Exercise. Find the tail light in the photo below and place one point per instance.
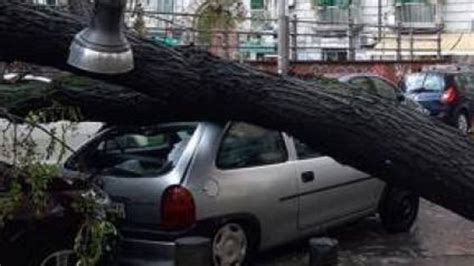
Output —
(178, 209)
(449, 95)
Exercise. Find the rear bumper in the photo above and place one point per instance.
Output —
(148, 247)
(141, 252)
(445, 116)
(144, 246)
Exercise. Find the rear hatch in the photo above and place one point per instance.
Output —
(136, 165)
(426, 88)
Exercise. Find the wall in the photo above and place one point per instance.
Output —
(391, 70)
(458, 15)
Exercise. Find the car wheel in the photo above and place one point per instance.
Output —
(54, 254)
(64, 257)
(230, 245)
(398, 210)
(462, 123)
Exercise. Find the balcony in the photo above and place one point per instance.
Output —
(334, 20)
(417, 15)
(333, 15)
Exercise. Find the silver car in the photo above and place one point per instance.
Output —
(384, 88)
(245, 187)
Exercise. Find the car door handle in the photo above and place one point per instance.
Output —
(307, 177)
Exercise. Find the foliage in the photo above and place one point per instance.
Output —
(27, 176)
(97, 236)
(139, 24)
(218, 15)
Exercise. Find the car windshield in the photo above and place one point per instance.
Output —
(420, 82)
(136, 152)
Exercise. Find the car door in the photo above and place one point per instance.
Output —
(251, 174)
(330, 191)
(465, 85)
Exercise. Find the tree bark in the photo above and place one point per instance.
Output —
(390, 142)
(83, 8)
(87, 95)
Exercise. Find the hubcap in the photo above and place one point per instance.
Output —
(463, 125)
(60, 258)
(229, 246)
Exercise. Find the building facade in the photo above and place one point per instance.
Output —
(347, 29)
(320, 29)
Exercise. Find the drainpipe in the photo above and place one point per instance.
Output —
(439, 12)
(379, 14)
(283, 38)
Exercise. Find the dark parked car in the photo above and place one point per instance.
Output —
(26, 240)
(448, 95)
(382, 87)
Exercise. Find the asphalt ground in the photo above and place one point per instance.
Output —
(439, 238)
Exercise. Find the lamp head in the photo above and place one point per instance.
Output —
(102, 47)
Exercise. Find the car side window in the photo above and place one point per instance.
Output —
(462, 82)
(470, 82)
(385, 90)
(363, 83)
(303, 151)
(247, 145)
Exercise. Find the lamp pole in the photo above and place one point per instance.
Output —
(283, 38)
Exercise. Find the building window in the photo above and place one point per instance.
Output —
(335, 55)
(416, 11)
(411, 1)
(257, 4)
(45, 2)
(326, 3)
(166, 6)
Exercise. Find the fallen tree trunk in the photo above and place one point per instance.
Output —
(87, 95)
(387, 141)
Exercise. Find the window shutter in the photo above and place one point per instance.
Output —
(257, 4)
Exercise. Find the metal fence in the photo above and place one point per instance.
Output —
(335, 34)
(256, 38)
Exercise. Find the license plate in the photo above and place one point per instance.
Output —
(118, 209)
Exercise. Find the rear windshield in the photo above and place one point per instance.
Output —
(137, 152)
(420, 82)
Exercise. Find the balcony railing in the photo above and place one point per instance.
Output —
(259, 19)
(417, 14)
(333, 15)
(334, 20)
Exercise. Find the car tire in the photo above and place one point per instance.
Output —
(462, 123)
(231, 245)
(398, 210)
